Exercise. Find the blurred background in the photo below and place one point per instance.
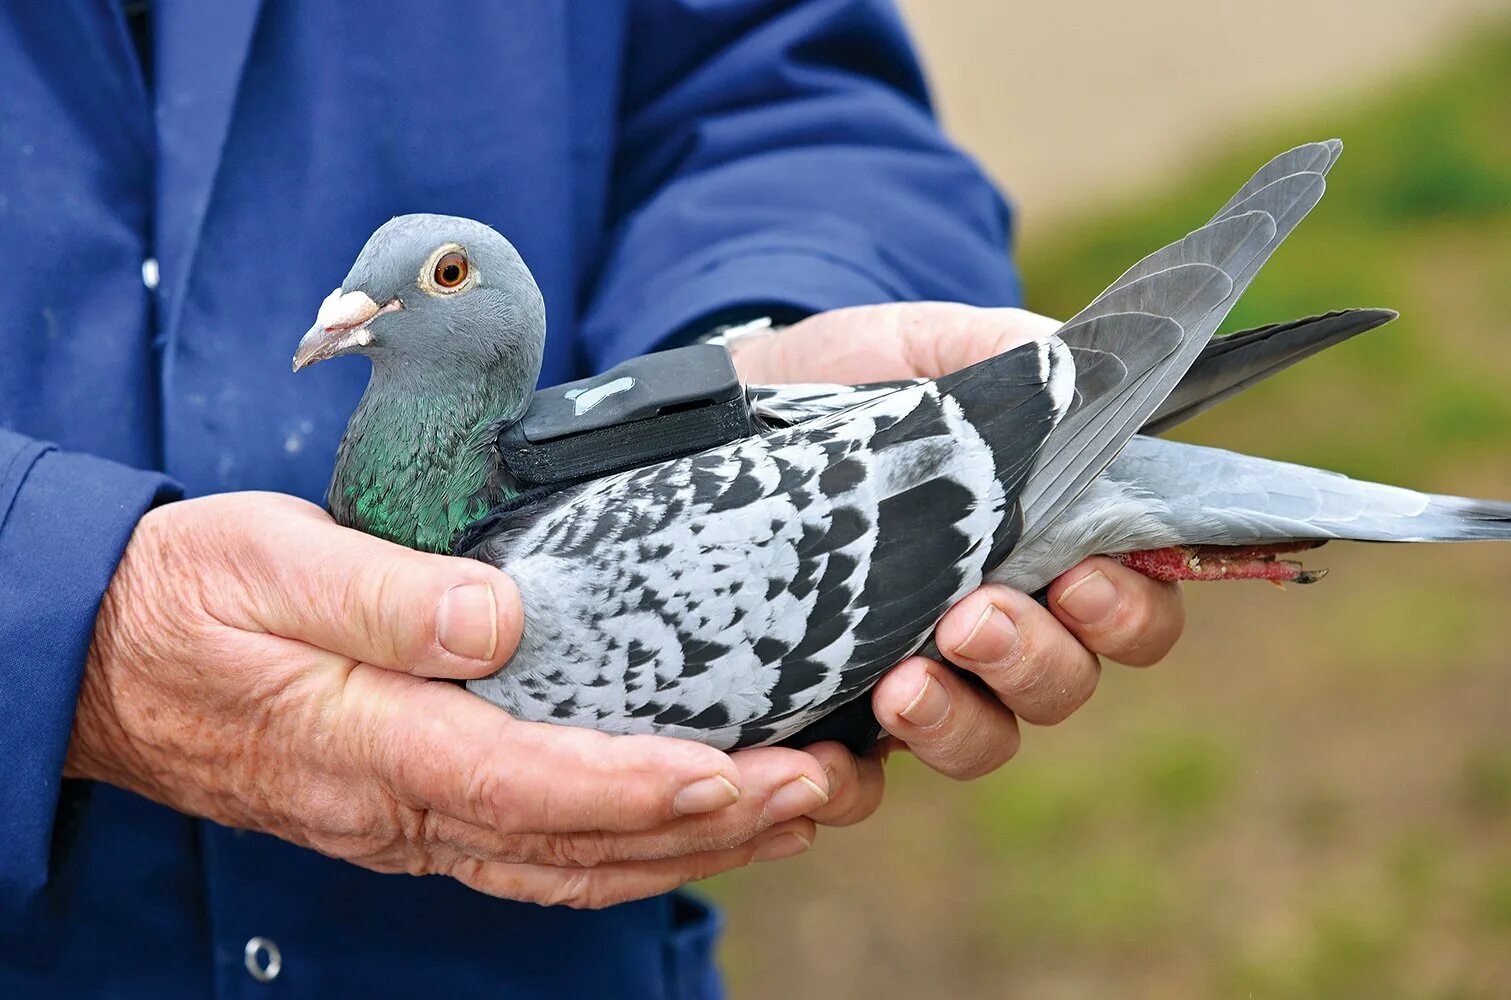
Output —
(1312, 797)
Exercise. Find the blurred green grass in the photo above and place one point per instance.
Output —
(1313, 798)
(1417, 217)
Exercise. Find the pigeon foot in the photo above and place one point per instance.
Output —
(1224, 562)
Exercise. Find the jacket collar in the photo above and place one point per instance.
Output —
(200, 51)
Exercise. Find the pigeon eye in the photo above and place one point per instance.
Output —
(450, 270)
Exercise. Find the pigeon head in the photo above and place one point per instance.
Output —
(434, 294)
(455, 328)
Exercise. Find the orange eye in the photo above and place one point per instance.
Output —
(451, 270)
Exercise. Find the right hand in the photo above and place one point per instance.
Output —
(1034, 664)
(255, 664)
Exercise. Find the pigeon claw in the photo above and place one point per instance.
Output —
(1224, 562)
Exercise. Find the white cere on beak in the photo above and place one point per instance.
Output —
(340, 325)
(346, 312)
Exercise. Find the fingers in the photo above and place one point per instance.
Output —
(979, 334)
(948, 723)
(856, 784)
(379, 603)
(878, 342)
(608, 884)
(1118, 612)
(1036, 667)
(770, 797)
(441, 749)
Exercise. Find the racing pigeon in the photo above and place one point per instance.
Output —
(740, 595)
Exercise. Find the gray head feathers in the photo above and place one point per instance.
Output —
(433, 298)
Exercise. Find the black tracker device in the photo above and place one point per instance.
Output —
(648, 409)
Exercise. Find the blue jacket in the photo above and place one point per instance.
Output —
(658, 163)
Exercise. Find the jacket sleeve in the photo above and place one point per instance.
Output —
(64, 521)
(783, 156)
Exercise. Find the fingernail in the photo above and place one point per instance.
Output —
(467, 622)
(783, 845)
(798, 797)
(706, 795)
(1090, 599)
(928, 706)
(993, 638)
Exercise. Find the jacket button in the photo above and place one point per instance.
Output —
(263, 959)
(150, 273)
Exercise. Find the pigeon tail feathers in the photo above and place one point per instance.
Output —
(1232, 363)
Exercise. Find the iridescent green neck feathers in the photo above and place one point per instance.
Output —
(418, 464)
(455, 327)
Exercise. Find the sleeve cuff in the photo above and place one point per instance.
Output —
(738, 277)
(65, 519)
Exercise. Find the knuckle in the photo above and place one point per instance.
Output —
(1146, 630)
(458, 866)
(857, 807)
(968, 761)
(1063, 690)
(579, 890)
(1047, 659)
(578, 850)
(426, 830)
(375, 596)
(488, 791)
(978, 747)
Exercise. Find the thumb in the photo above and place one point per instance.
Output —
(380, 603)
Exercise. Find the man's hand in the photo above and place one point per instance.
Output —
(1037, 665)
(256, 664)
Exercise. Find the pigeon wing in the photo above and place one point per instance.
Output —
(1192, 283)
(736, 595)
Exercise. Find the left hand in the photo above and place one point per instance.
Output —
(1039, 665)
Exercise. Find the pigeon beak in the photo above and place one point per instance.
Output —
(340, 326)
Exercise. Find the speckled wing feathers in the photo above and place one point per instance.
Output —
(737, 595)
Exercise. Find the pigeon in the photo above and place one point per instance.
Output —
(753, 593)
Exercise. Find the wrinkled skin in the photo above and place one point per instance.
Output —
(255, 664)
(258, 665)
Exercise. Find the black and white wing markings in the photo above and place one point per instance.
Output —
(737, 595)
(785, 405)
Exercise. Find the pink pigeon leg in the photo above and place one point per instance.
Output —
(1224, 562)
